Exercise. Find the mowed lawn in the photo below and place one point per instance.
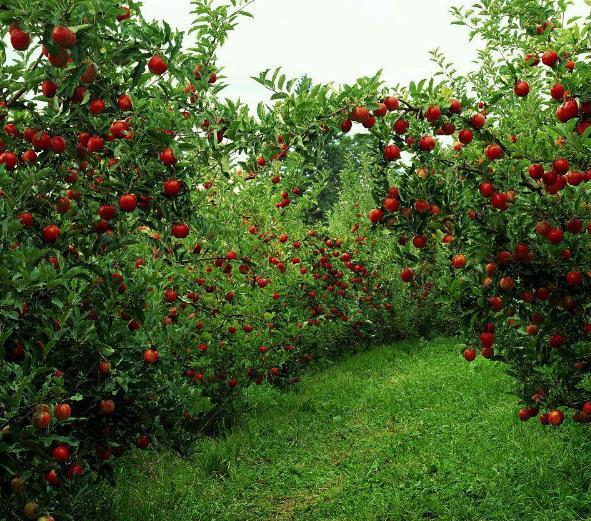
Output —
(408, 431)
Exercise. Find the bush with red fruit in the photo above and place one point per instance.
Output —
(512, 204)
(126, 222)
(162, 248)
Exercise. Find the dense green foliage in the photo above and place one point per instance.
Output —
(162, 248)
(147, 275)
(499, 220)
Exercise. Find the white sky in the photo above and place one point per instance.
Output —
(335, 40)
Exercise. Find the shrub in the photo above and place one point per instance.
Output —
(161, 249)
(143, 282)
(497, 220)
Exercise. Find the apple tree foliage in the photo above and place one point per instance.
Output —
(155, 256)
(163, 247)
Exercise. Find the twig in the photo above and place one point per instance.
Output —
(21, 91)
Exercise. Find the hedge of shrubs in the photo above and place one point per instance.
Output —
(162, 247)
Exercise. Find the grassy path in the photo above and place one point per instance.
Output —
(404, 432)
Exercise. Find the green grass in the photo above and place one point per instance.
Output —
(404, 432)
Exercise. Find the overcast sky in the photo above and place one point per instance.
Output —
(335, 40)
